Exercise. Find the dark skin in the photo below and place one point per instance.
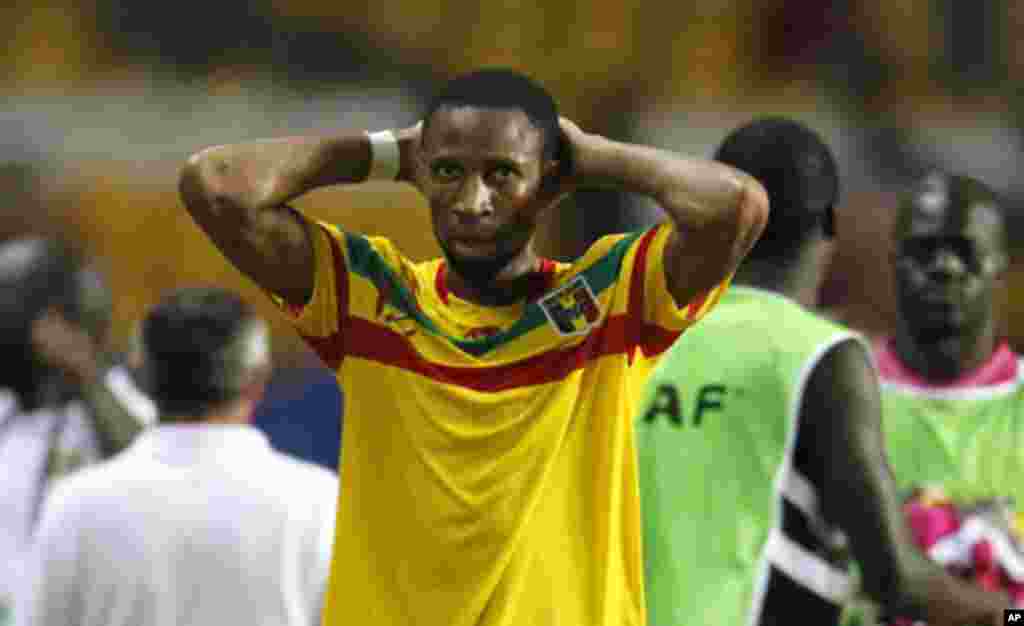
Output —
(841, 411)
(841, 418)
(949, 259)
(482, 175)
(486, 179)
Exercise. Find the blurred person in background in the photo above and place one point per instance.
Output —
(488, 472)
(120, 393)
(200, 521)
(760, 433)
(952, 393)
(62, 405)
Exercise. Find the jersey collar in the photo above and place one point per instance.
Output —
(540, 281)
(1001, 368)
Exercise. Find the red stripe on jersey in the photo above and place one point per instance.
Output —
(374, 342)
(657, 339)
(694, 307)
(543, 281)
(331, 349)
(441, 283)
(637, 304)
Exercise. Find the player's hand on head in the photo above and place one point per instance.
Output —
(575, 145)
(565, 177)
(571, 131)
(408, 150)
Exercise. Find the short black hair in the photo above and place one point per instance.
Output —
(502, 88)
(193, 342)
(798, 171)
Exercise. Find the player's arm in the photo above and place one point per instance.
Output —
(718, 211)
(238, 195)
(841, 408)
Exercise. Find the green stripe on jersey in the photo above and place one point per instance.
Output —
(368, 263)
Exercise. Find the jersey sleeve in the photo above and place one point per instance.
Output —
(657, 319)
(322, 316)
(350, 272)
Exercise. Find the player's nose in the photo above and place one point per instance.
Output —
(474, 199)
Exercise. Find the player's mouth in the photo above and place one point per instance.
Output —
(474, 247)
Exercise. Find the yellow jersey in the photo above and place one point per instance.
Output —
(488, 473)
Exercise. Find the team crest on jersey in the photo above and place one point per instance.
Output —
(572, 309)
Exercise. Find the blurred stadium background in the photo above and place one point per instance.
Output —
(103, 100)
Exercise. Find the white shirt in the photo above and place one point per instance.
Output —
(193, 525)
(25, 440)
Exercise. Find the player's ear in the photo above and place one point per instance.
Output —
(825, 249)
(551, 169)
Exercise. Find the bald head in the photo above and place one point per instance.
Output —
(951, 248)
(943, 204)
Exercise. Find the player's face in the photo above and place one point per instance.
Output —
(948, 259)
(482, 170)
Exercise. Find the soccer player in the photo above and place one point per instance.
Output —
(759, 435)
(952, 398)
(200, 521)
(488, 472)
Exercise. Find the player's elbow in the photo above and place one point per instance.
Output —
(739, 223)
(752, 211)
(192, 185)
(201, 185)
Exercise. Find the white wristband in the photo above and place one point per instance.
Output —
(385, 159)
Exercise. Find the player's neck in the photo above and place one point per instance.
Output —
(796, 282)
(946, 359)
(512, 284)
(238, 413)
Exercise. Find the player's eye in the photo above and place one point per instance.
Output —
(445, 171)
(503, 173)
